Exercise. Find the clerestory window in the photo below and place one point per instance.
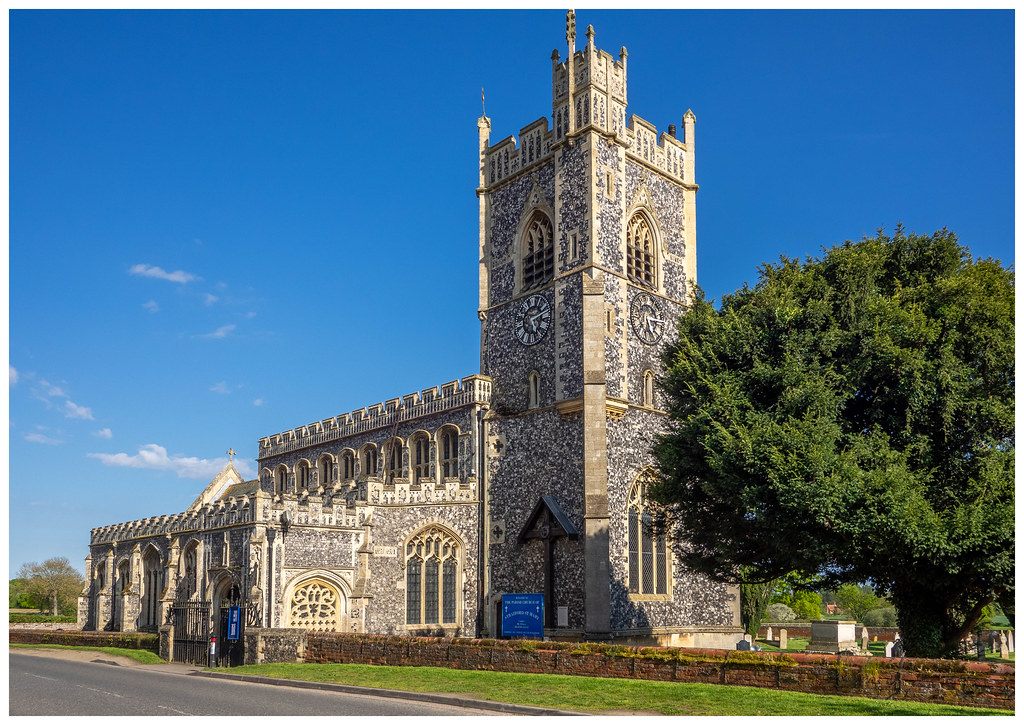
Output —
(449, 445)
(421, 458)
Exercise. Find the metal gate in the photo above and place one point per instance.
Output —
(231, 652)
(191, 632)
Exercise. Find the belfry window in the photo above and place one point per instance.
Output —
(538, 251)
(432, 560)
(449, 453)
(640, 253)
(280, 479)
(370, 460)
(302, 475)
(648, 548)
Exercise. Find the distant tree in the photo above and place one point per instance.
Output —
(754, 595)
(20, 597)
(881, 617)
(54, 581)
(857, 600)
(853, 416)
(806, 605)
(779, 612)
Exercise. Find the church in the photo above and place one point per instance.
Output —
(417, 515)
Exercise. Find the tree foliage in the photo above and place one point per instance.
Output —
(54, 582)
(857, 600)
(852, 415)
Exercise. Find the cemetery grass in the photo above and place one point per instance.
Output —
(142, 656)
(600, 695)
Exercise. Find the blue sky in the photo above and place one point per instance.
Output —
(227, 224)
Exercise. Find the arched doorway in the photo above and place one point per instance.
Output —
(228, 597)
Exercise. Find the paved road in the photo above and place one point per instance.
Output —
(42, 685)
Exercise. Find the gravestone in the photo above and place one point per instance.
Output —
(980, 647)
(1009, 639)
(743, 645)
(864, 639)
(832, 636)
(888, 649)
(783, 639)
(769, 635)
(1004, 650)
(897, 648)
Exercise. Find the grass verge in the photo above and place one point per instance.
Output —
(601, 695)
(142, 656)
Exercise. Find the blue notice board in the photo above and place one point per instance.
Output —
(234, 615)
(522, 615)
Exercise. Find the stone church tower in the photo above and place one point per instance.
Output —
(587, 255)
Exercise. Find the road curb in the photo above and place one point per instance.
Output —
(454, 700)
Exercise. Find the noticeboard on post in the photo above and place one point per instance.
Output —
(522, 615)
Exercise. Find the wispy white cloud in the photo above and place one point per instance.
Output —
(221, 387)
(52, 390)
(154, 457)
(222, 331)
(146, 270)
(76, 411)
(209, 299)
(104, 433)
(258, 402)
(152, 306)
(13, 374)
(250, 314)
(40, 438)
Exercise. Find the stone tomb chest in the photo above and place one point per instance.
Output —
(833, 636)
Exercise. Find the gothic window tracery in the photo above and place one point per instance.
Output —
(648, 549)
(393, 460)
(432, 562)
(280, 479)
(640, 252)
(315, 605)
(538, 251)
(325, 469)
(369, 460)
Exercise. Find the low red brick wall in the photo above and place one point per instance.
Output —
(127, 640)
(974, 684)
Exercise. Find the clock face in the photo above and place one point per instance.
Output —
(647, 319)
(533, 318)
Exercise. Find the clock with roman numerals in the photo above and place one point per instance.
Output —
(533, 318)
(647, 319)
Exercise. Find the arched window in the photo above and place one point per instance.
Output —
(640, 252)
(101, 576)
(393, 460)
(348, 465)
(369, 460)
(432, 564)
(648, 550)
(533, 384)
(302, 475)
(281, 479)
(538, 251)
(648, 389)
(449, 449)
(152, 588)
(420, 458)
(316, 605)
(325, 470)
(187, 582)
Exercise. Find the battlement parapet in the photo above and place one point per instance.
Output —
(664, 152)
(471, 390)
(508, 156)
(217, 513)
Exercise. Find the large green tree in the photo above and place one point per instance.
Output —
(851, 416)
(54, 581)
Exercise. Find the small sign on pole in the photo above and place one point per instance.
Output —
(522, 615)
(234, 616)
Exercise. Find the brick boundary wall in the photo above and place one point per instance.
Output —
(126, 640)
(950, 682)
(803, 629)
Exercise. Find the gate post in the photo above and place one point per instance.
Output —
(167, 642)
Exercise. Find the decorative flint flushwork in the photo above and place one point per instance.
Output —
(471, 389)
